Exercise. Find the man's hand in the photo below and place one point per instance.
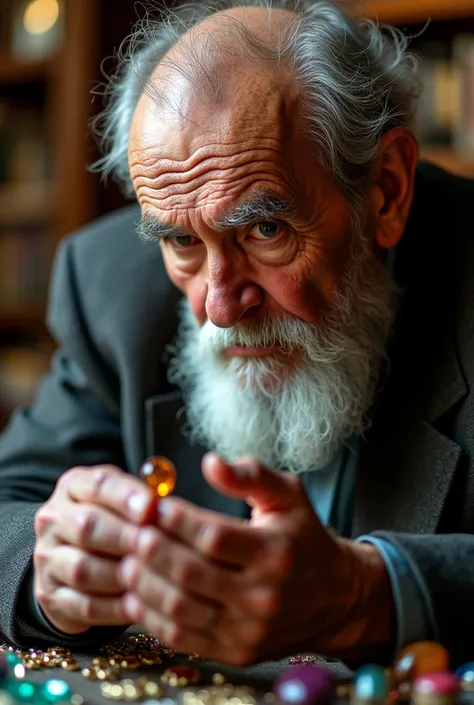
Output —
(239, 591)
(89, 523)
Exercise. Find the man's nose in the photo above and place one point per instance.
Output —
(230, 294)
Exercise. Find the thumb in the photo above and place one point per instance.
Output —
(247, 479)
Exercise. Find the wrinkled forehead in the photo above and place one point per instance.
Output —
(258, 105)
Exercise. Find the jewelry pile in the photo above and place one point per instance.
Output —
(420, 675)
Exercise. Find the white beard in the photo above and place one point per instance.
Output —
(287, 415)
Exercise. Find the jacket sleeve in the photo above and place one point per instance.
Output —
(74, 420)
(445, 563)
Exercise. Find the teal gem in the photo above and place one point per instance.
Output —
(370, 684)
(12, 659)
(24, 691)
(466, 674)
(55, 691)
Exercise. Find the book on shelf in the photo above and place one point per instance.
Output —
(25, 257)
(445, 113)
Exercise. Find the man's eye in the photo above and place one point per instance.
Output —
(265, 230)
(183, 240)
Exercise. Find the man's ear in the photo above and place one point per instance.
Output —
(390, 193)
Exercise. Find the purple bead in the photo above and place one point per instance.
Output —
(304, 684)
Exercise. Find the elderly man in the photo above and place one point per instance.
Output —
(322, 285)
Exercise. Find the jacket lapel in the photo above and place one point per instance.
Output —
(406, 465)
(165, 419)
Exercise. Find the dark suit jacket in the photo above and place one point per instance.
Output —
(107, 400)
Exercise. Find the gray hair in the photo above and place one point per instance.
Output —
(358, 81)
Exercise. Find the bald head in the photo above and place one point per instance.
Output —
(223, 56)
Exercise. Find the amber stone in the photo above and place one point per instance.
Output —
(180, 676)
(419, 658)
(159, 473)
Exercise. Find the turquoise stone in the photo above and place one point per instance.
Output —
(12, 659)
(24, 691)
(55, 691)
(465, 673)
(370, 685)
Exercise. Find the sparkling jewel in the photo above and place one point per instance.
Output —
(420, 658)
(159, 473)
(370, 685)
(55, 691)
(305, 684)
(24, 691)
(465, 673)
(69, 664)
(180, 676)
(438, 688)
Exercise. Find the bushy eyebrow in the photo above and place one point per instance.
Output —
(262, 206)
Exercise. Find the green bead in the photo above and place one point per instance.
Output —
(12, 659)
(55, 691)
(24, 691)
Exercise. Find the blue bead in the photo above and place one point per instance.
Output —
(466, 672)
(55, 690)
(370, 684)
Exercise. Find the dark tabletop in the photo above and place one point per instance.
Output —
(259, 677)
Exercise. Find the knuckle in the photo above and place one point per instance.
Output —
(174, 634)
(87, 608)
(86, 525)
(43, 520)
(41, 558)
(79, 570)
(187, 574)
(175, 605)
(215, 539)
(43, 596)
(98, 477)
(68, 477)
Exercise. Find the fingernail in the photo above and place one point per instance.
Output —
(165, 512)
(137, 504)
(243, 469)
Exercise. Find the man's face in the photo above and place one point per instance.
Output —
(194, 168)
(288, 314)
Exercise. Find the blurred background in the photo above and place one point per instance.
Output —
(50, 59)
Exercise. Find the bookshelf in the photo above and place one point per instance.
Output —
(413, 11)
(46, 190)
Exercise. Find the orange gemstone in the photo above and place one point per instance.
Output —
(159, 473)
(418, 659)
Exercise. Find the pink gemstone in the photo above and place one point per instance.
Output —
(441, 683)
(305, 684)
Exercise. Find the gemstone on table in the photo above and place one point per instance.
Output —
(55, 691)
(370, 685)
(440, 688)
(419, 658)
(307, 683)
(180, 676)
(24, 691)
(159, 473)
(465, 673)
